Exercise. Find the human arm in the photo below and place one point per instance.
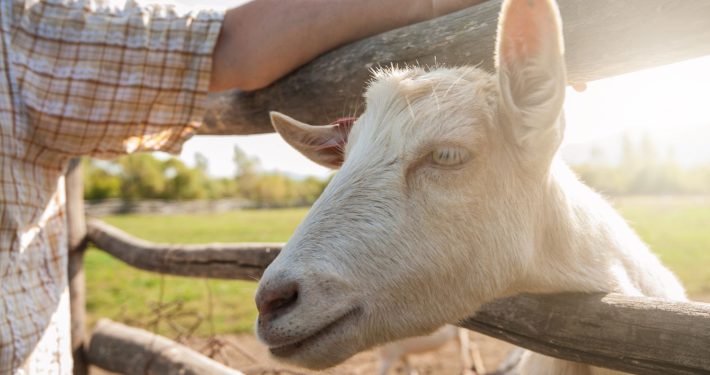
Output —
(106, 81)
(264, 40)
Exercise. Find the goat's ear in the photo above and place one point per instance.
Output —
(323, 144)
(531, 74)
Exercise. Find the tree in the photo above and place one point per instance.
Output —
(247, 173)
(309, 189)
(141, 177)
(629, 156)
(201, 163)
(273, 190)
(99, 183)
(182, 183)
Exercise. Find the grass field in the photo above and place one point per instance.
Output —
(123, 293)
(677, 228)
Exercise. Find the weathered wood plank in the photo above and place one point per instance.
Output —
(76, 235)
(603, 38)
(127, 350)
(634, 334)
(246, 261)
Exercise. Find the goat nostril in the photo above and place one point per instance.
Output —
(277, 300)
(283, 303)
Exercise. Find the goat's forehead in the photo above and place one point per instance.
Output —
(415, 81)
(415, 103)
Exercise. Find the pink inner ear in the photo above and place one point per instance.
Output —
(345, 123)
(342, 128)
(336, 145)
(526, 23)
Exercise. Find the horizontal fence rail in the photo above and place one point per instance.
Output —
(603, 38)
(634, 334)
(127, 350)
(244, 261)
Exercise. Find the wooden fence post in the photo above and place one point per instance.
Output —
(76, 234)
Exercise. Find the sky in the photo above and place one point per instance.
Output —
(669, 104)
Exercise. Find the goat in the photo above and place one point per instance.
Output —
(399, 350)
(450, 194)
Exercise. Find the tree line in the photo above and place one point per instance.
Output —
(145, 176)
(644, 170)
(641, 170)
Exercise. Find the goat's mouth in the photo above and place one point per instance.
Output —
(302, 344)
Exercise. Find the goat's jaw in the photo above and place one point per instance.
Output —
(328, 346)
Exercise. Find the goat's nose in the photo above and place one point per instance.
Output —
(271, 301)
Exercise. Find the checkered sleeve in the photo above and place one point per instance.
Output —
(105, 81)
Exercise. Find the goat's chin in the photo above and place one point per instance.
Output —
(330, 346)
(335, 346)
(346, 336)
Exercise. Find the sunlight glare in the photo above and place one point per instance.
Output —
(657, 101)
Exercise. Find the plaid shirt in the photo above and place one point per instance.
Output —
(79, 78)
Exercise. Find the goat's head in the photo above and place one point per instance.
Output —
(432, 211)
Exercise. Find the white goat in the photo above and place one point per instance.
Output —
(450, 195)
(400, 350)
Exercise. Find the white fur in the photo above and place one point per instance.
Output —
(399, 350)
(398, 245)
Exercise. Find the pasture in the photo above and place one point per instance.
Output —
(676, 228)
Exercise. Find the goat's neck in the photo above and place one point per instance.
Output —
(583, 244)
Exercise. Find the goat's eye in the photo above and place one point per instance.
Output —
(449, 156)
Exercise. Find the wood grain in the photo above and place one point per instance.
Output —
(603, 38)
(76, 236)
(640, 335)
(245, 261)
(127, 350)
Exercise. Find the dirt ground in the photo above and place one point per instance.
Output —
(246, 354)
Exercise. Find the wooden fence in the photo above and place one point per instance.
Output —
(604, 38)
(164, 207)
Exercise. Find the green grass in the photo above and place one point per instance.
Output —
(122, 293)
(677, 228)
